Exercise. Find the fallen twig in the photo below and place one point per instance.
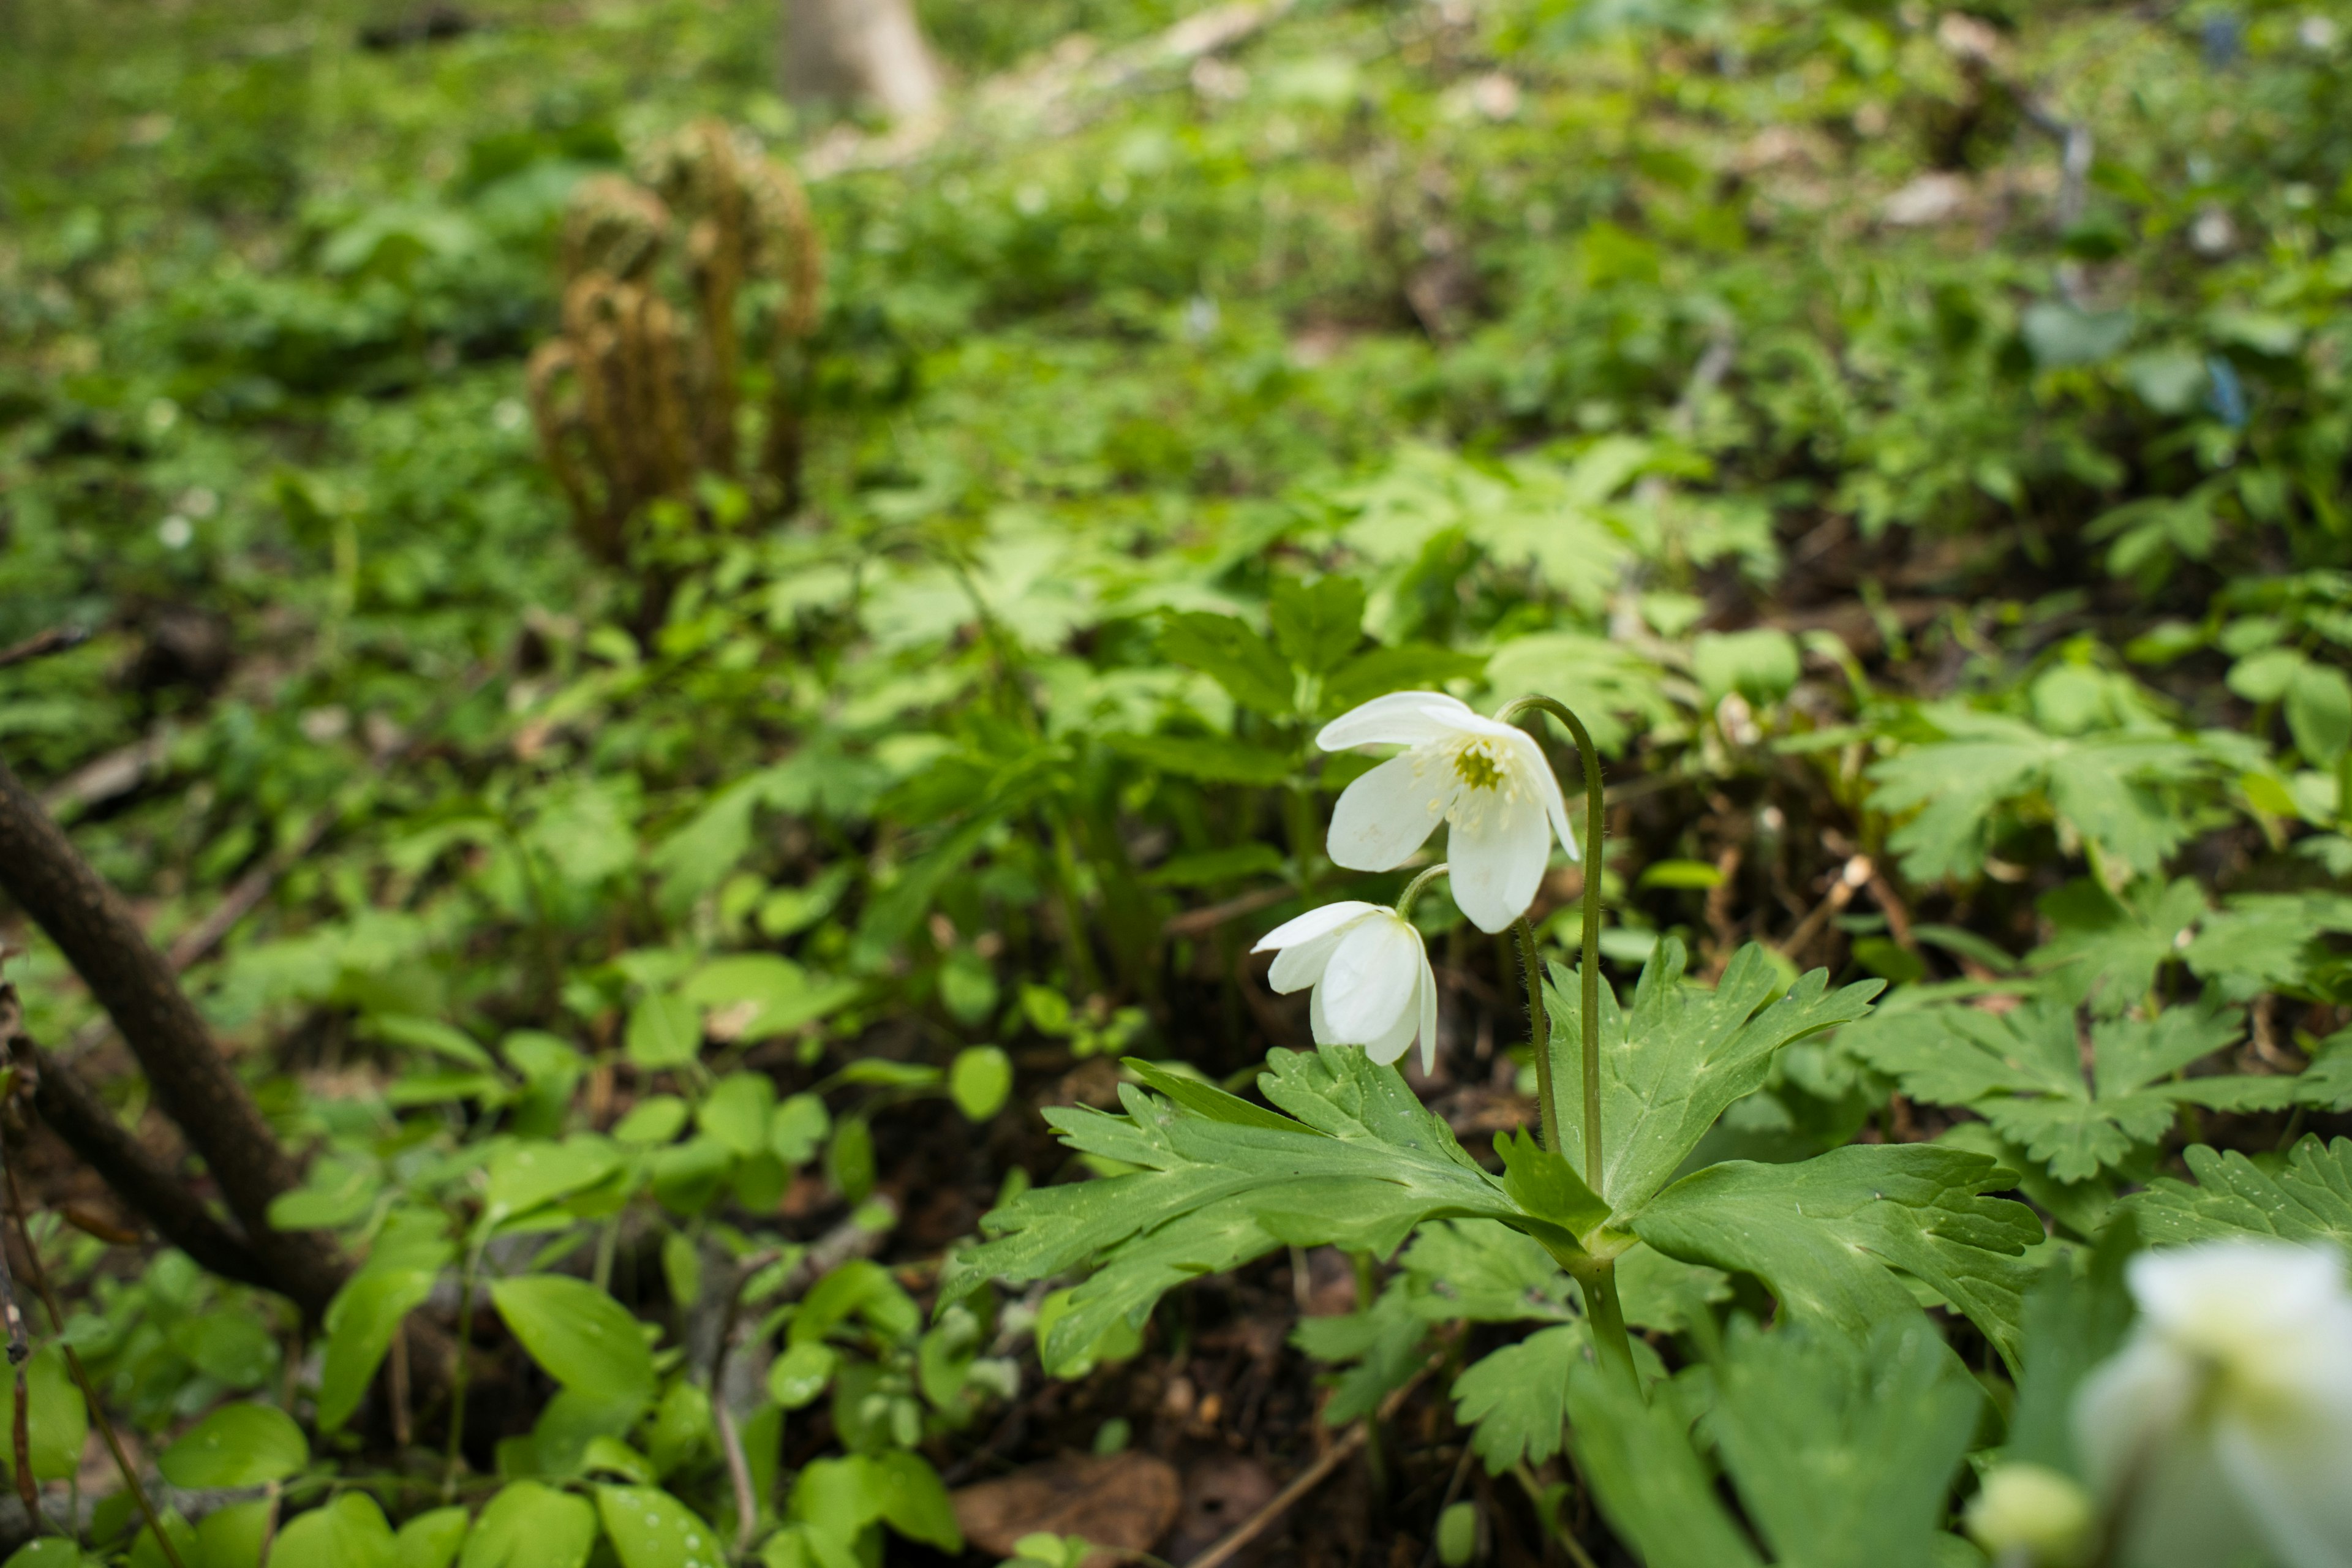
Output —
(40, 644)
(1313, 1476)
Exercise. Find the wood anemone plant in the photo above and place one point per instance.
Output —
(643, 388)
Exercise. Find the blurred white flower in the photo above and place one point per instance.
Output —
(2227, 1420)
(2031, 1514)
(1488, 780)
(1372, 983)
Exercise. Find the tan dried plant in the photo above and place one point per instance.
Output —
(637, 395)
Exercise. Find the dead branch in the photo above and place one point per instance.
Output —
(192, 1083)
(155, 1192)
(40, 644)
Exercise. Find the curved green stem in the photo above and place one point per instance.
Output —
(1606, 1314)
(1413, 890)
(1595, 810)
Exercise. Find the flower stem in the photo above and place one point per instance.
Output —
(1595, 807)
(1602, 1308)
(1413, 890)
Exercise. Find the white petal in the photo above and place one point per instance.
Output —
(1300, 965)
(1392, 1047)
(1368, 984)
(2294, 1481)
(1497, 865)
(1428, 1016)
(2129, 1404)
(1315, 922)
(1399, 719)
(1388, 814)
(1531, 770)
(1318, 1018)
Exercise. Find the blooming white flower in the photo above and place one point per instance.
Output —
(1488, 780)
(1372, 983)
(2227, 1420)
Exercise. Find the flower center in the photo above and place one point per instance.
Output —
(1476, 765)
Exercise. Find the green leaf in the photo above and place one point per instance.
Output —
(361, 1321)
(2022, 1071)
(1762, 665)
(1367, 1164)
(980, 1080)
(1485, 1272)
(1218, 867)
(2320, 714)
(652, 1121)
(911, 1499)
(665, 1030)
(1410, 667)
(738, 1111)
(800, 1375)
(2106, 950)
(57, 1419)
(582, 1337)
(797, 1128)
(529, 1525)
(530, 1173)
(2270, 941)
(651, 1529)
(431, 1540)
(2308, 1201)
(348, 1532)
(1638, 1458)
(1517, 1397)
(236, 1446)
(1230, 652)
(2111, 788)
(1544, 1184)
(861, 1289)
(1318, 625)
(1844, 1451)
(1824, 1235)
(783, 994)
(430, 1035)
(1680, 1057)
(233, 1536)
(1387, 1343)
(1213, 759)
(849, 1158)
(48, 1551)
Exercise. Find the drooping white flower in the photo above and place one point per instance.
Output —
(1487, 781)
(2227, 1420)
(1372, 983)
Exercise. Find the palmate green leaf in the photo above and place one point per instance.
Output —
(1638, 1457)
(1824, 1235)
(1515, 1399)
(2107, 949)
(1231, 652)
(1671, 1066)
(1318, 625)
(2309, 1201)
(1357, 1163)
(1487, 1273)
(1843, 1450)
(2268, 941)
(2109, 787)
(1213, 759)
(2022, 1071)
(1385, 1344)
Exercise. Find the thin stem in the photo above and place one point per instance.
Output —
(81, 1376)
(1595, 813)
(457, 1378)
(1413, 890)
(1539, 1032)
(1608, 1316)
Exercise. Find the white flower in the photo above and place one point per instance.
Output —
(1488, 780)
(1372, 983)
(2227, 1420)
